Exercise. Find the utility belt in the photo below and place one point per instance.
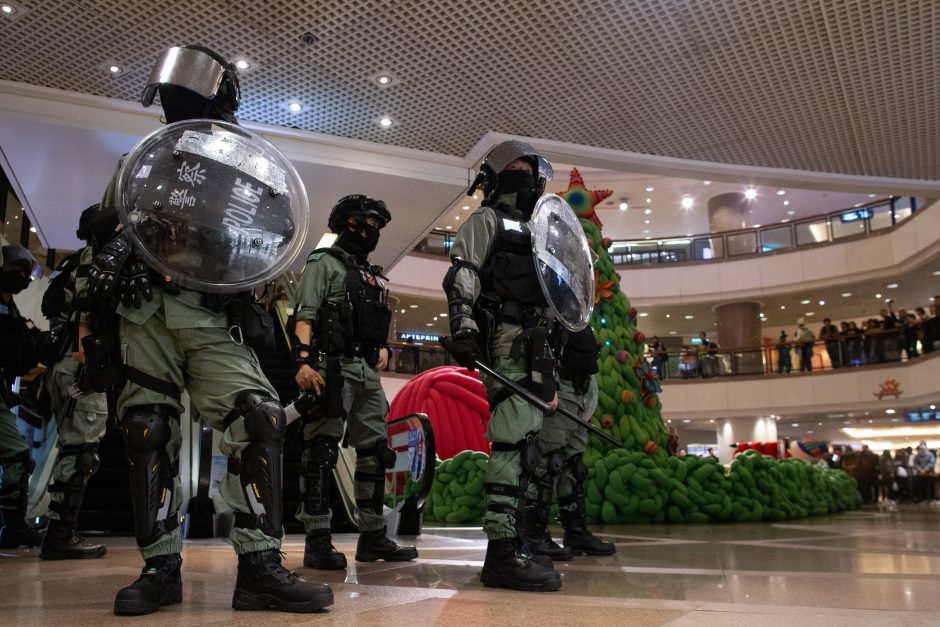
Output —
(525, 316)
(534, 346)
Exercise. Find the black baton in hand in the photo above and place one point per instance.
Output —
(546, 408)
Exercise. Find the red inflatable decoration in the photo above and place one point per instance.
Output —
(455, 403)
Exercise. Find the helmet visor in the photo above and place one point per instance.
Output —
(507, 152)
(187, 68)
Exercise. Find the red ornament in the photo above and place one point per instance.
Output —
(606, 242)
(622, 356)
(650, 447)
(632, 311)
(639, 337)
(607, 421)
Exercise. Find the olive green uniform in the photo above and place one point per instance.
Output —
(176, 339)
(513, 419)
(13, 449)
(364, 402)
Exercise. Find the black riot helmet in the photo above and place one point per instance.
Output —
(501, 156)
(85, 222)
(194, 82)
(357, 205)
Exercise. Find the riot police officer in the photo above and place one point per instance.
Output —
(342, 321)
(498, 313)
(561, 467)
(178, 338)
(17, 357)
(81, 415)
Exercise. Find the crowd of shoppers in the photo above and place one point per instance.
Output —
(909, 475)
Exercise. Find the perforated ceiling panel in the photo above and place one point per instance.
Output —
(848, 86)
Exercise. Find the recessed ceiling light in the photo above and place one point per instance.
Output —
(878, 295)
(646, 231)
(872, 195)
(449, 227)
(891, 286)
(649, 200)
(383, 79)
(795, 424)
(646, 221)
(295, 107)
(821, 303)
(668, 315)
(624, 205)
(114, 69)
(785, 220)
(672, 332)
(648, 236)
(429, 324)
(7, 9)
(818, 424)
(786, 203)
(403, 311)
(846, 294)
(781, 192)
(783, 306)
(686, 420)
(756, 226)
(456, 217)
(465, 207)
(647, 211)
(649, 189)
(805, 301)
(810, 313)
(443, 315)
(936, 273)
(687, 202)
(889, 411)
(750, 193)
(386, 121)
(858, 204)
(933, 407)
(242, 64)
(644, 314)
(475, 197)
(32, 229)
(689, 317)
(706, 182)
(412, 306)
(762, 314)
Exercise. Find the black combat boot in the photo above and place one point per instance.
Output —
(536, 538)
(320, 553)
(506, 566)
(264, 584)
(375, 545)
(579, 538)
(63, 542)
(159, 584)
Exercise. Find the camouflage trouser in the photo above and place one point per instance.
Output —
(511, 421)
(86, 425)
(12, 449)
(366, 407)
(562, 436)
(214, 369)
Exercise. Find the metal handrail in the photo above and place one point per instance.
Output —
(827, 228)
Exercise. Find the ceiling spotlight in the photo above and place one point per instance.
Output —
(449, 227)
(846, 294)
(783, 306)
(7, 9)
(933, 407)
(413, 306)
(891, 286)
(646, 221)
(810, 313)
(429, 324)
(383, 79)
(791, 212)
(750, 193)
(878, 295)
(624, 204)
(786, 203)
(687, 202)
(821, 303)
(644, 314)
(889, 411)
(114, 69)
(32, 229)
(706, 182)
(781, 192)
(647, 211)
(689, 317)
(242, 64)
(646, 231)
(465, 207)
(295, 107)
(649, 200)
(805, 301)
(386, 122)
(649, 189)
(673, 332)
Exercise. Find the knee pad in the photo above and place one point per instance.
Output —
(264, 417)
(86, 458)
(324, 451)
(385, 458)
(579, 471)
(146, 433)
(381, 452)
(260, 467)
(24, 458)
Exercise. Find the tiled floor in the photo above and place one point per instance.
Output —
(874, 567)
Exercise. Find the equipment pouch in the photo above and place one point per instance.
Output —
(104, 368)
(372, 322)
(332, 396)
(540, 362)
(256, 324)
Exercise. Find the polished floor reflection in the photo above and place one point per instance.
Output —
(873, 567)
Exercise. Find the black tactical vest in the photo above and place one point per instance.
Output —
(509, 273)
(367, 297)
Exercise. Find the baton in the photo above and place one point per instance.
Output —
(546, 408)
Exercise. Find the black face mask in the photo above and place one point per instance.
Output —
(12, 281)
(360, 242)
(520, 183)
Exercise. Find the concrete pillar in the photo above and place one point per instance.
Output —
(733, 430)
(739, 328)
(729, 212)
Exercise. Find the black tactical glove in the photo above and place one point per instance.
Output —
(103, 276)
(134, 283)
(464, 347)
